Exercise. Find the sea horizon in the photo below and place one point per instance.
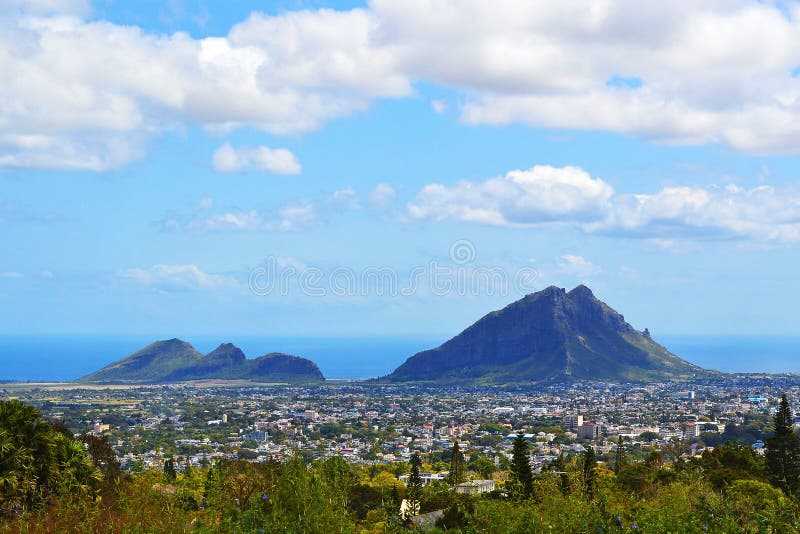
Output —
(66, 357)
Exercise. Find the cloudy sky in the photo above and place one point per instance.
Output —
(305, 167)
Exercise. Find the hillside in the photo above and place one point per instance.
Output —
(549, 335)
(175, 361)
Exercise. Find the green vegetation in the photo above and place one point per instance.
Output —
(53, 482)
(457, 467)
(783, 450)
(414, 495)
(619, 456)
(174, 360)
(520, 476)
(39, 461)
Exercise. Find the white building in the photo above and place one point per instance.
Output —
(572, 422)
(427, 478)
(473, 487)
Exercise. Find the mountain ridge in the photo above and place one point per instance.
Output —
(550, 335)
(174, 360)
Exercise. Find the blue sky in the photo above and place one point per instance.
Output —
(156, 156)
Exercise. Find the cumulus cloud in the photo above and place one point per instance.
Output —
(722, 212)
(46, 7)
(382, 195)
(177, 278)
(228, 159)
(89, 94)
(289, 218)
(577, 266)
(570, 196)
(537, 195)
(11, 274)
(716, 72)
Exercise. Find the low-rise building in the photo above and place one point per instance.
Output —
(473, 487)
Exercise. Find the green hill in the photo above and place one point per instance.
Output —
(177, 361)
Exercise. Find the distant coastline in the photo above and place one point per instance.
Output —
(64, 357)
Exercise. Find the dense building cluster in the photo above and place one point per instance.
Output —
(367, 424)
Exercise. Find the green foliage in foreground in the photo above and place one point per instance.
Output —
(51, 483)
(38, 460)
(326, 497)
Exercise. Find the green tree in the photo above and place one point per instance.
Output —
(730, 462)
(559, 466)
(103, 457)
(521, 475)
(484, 467)
(588, 475)
(783, 450)
(169, 470)
(414, 490)
(38, 461)
(339, 474)
(648, 436)
(301, 498)
(457, 473)
(619, 456)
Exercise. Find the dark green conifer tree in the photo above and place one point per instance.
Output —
(391, 502)
(619, 457)
(559, 466)
(457, 465)
(783, 450)
(169, 470)
(414, 489)
(588, 475)
(521, 475)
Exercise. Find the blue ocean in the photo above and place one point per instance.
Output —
(66, 357)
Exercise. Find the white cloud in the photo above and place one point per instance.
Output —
(346, 196)
(291, 262)
(289, 218)
(47, 274)
(439, 106)
(715, 212)
(296, 216)
(578, 266)
(382, 195)
(261, 158)
(540, 194)
(719, 71)
(89, 94)
(570, 196)
(46, 7)
(177, 278)
(231, 220)
(673, 246)
(11, 274)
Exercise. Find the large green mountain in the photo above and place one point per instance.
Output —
(551, 335)
(174, 360)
